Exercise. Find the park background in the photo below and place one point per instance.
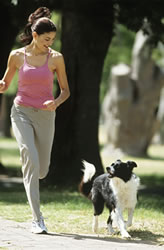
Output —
(94, 36)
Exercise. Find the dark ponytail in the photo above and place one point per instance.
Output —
(38, 21)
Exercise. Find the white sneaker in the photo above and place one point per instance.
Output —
(38, 227)
(42, 225)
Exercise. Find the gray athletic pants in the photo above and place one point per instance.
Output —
(34, 132)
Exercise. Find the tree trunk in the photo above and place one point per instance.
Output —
(5, 121)
(6, 44)
(131, 105)
(85, 40)
(8, 34)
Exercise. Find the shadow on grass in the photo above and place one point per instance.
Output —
(149, 157)
(15, 193)
(150, 195)
(154, 158)
(138, 237)
(152, 180)
(10, 171)
(146, 235)
(152, 185)
(151, 202)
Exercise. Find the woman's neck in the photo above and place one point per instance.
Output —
(35, 50)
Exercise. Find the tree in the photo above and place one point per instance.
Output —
(76, 136)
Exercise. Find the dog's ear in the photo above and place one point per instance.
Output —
(131, 164)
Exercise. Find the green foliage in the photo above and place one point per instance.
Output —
(142, 14)
(158, 54)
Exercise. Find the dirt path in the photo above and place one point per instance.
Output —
(16, 236)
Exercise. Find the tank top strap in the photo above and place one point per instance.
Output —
(48, 56)
(24, 54)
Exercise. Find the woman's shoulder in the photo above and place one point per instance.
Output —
(55, 54)
(16, 57)
(17, 52)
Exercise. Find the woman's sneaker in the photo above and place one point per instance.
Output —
(38, 227)
(43, 225)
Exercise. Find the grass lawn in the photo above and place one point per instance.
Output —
(68, 212)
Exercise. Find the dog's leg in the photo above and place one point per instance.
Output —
(95, 224)
(98, 204)
(130, 217)
(121, 223)
(109, 224)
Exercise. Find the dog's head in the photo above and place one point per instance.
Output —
(122, 170)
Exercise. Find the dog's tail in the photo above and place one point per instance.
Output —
(88, 178)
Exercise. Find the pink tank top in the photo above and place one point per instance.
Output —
(35, 85)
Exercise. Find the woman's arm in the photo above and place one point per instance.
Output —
(62, 80)
(59, 67)
(9, 73)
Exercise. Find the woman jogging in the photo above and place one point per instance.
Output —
(33, 110)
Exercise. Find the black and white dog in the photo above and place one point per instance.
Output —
(117, 189)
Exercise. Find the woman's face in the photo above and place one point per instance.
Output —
(44, 40)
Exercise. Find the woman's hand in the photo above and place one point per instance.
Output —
(2, 86)
(50, 105)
